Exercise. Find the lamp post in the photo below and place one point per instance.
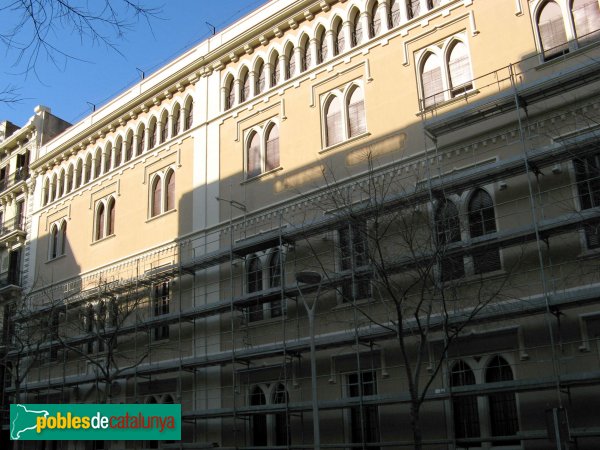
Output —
(310, 277)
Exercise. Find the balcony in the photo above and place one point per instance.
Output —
(11, 280)
(21, 174)
(12, 228)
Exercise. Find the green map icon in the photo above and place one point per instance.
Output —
(23, 420)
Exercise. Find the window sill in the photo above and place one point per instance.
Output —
(262, 175)
(342, 143)
(110, 236)
(55, 258)
(158, 216)
(456, 98)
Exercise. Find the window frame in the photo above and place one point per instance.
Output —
(104, 218)
(159, 181)
(343, 95)
(262, 132)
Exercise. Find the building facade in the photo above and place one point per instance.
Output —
(367, 224)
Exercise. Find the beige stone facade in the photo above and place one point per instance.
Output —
(435, 162)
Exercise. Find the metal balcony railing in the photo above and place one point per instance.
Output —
(13, 224)
(21, 174)
(10, 278)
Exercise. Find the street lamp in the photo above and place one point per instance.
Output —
(309, 277)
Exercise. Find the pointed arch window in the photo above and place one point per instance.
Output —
(272, 148)
(306, 56)
(140, 142)
(290, 64)
(323, 52)
(413, 8)
(339, 39)
(357, 31)
(152, 134)
(394, 13)
(46, 192)
(502, 405)
(129, 147)
(170, 188)
(356, 113)
(110, 226)
(551, 27)
(260, 79)
(54, 242)
(333, 122)
(459, 69)
(78, 173)
(107, 158)
(586, 19)
(61, 184)
(88, 169)
(482, 221)
(118, 152)
(176, 120)
(156, 197)
(431, 79)
(229, 94)
(98, 163)
(275, 70)
(189, 115)
(374, 21)
(164, 128)
(63, 238)
(465, 410)
(253, 155)
(100, 222)
(245, 93)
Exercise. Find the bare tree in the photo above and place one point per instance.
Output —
(39, 26)
(402, 248)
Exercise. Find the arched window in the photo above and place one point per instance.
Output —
(502, 405)
(254, 284)
(394, 13)
(54, 242)
(374, 21)
(170, 188)
(552, 31)
(338, 37)
(46, 192)
(140, 141)
(107, 158)
(275, 69)
(110, 227)
(129, 146)
(413, 8)
(100, 220)
(253, 156)
(189, 114)
(272, 148)
(290, 60)
(586, 18)
(88, 169)
(482, 220)
(447, 226)
(78, 173)
(260, 78)
(61, 184)
(283, 434)
(229, 93)
(306, 56)
(63, 238)
(323, 51)
(466, 414)
(333, 121)
(164, 127)
(356, 113)
(97, 163)
(357, 31)
(176, 120)
(156, 197)
(431, 79)
(152, 133)
(245, 84)
(459, 69)
(53, 188)
(258, 421)
(69, 180)
(118, 152)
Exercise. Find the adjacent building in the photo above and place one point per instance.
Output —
(348, 224)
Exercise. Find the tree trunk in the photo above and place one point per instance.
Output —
(415, 424)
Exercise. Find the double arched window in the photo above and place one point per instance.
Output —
(565, 25)
(442, 81)
(262, 150)
(344, 115)
(58, 239)
(162, 193)
(104, 223)
(269, 429)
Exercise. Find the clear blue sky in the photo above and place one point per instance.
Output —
(99, 73)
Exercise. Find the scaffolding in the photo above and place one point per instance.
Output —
(207, 351)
